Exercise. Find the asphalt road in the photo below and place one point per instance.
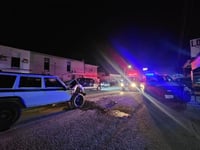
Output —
(111, 119)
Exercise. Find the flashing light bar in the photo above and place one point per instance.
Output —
(145, 69)
(149, 74)
(132, 74)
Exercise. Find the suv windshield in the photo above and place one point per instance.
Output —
(7, 81)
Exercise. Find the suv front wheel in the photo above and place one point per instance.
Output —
(9, 114)
(77, 100)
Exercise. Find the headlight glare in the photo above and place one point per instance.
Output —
(133, 85)
(122, 84)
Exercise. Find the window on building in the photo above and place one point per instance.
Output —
(30, 82)
(15, 62)
(68, 66)
(46, 63)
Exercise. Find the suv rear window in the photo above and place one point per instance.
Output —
(7, 81)
(30, 82)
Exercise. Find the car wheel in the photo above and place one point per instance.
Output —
(9, 114)
(77, 100)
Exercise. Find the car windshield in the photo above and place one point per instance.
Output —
(159, 78)
(71, 83)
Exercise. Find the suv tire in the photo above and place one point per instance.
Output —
(9, 114)
(77, 100)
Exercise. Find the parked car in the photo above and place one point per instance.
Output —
(89, 83)
(130, 83)
(22, 90)
(186, 82)
(164, 87)
(105, 84)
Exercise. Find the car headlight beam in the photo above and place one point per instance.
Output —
(133, 85)
(122, 84)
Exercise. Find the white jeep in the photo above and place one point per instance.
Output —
(21, 90)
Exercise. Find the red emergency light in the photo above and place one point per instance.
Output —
(132, 74)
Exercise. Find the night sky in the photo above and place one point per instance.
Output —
(149, 34)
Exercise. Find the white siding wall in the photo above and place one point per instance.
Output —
(35, 64)
(91, 71)
(77, 67)
(9, 52)
(58, 66)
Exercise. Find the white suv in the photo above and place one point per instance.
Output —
(20, 90)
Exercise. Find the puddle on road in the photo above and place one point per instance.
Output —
(117, 113)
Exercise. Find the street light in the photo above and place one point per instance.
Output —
(145, 69)
(125, 69)
(129, 66)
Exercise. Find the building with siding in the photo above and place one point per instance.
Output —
(14, 60)
(25, 61)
